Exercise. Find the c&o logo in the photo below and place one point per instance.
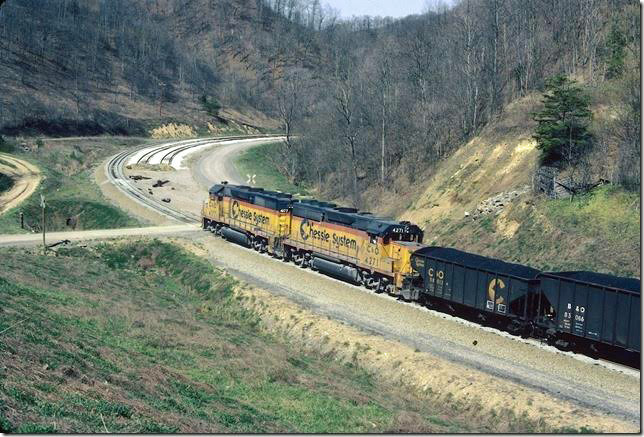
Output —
(305, 229)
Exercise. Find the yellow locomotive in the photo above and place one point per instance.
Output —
(341, 242)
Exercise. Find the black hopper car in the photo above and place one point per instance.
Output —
(596, 314)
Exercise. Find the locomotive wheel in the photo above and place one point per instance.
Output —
(367, 280)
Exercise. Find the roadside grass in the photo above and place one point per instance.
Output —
(69, 188)
(258, 161)
(146, 337)
(67, 196)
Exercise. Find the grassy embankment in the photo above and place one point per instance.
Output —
(69, 187)
(257, 160)
(145, 337)
(599, 231)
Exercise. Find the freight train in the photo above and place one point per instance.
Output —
(597, 314)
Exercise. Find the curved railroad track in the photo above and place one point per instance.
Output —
(166, 154)
(169, 151)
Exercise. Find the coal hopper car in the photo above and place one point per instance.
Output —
(473, 286)
(593, 312)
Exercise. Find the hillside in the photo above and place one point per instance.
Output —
(598, 231)
(121, 67)
(143, 337)
(73, 200)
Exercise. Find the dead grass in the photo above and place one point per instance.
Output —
(456, 394)
(172, 130)
(495, 161)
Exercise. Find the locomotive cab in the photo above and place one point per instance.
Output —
(400, 241)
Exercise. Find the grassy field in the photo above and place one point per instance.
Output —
(69, 187)
(257, 160)
(145, 337)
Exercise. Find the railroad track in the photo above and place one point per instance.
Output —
(517, 373)
(168, 152)
(145, 158)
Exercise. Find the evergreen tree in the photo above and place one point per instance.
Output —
(562, 131)
(210, 105)
(615, 43)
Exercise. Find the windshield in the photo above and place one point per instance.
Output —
(403, 237)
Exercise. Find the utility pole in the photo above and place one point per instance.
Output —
(43, 205)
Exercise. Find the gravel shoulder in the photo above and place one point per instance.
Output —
(120, 200)
(520, 366)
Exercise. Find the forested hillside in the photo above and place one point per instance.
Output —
(120, 66)
(370, 105)
(395, 98)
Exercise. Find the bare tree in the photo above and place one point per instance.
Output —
(345, 106)
(291, 101)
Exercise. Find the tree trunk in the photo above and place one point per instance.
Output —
(382, 151)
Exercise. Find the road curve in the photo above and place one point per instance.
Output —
(26, 178)
(218, 165)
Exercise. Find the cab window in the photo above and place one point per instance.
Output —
(403, 237)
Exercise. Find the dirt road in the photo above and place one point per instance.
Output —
(26, 177)
(97, 234)
(218, 165)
